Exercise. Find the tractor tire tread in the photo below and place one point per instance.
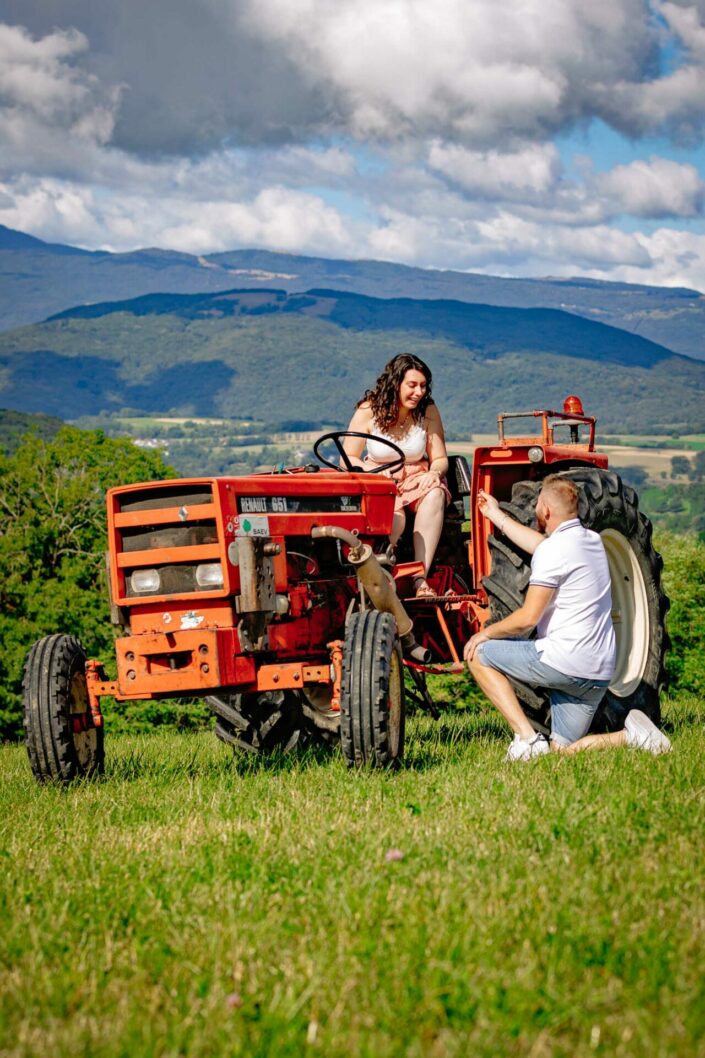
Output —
(370, 644)
(49, 668)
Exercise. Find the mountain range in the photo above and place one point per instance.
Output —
(39, 279)
(274, 355)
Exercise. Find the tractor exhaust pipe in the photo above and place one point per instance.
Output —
(379, 585)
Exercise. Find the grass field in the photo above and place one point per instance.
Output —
(196, 904)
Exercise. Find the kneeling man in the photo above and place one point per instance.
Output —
(569, 603)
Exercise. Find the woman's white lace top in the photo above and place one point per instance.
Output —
(412, 444)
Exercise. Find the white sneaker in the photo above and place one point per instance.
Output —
(527, 748)
(642, 733)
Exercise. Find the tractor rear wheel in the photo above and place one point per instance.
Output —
(259, 723)
(62, 741)
(372, 705)
(639, 604)
(272, 720)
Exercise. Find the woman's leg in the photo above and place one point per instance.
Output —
(398, 523)
(428, 525)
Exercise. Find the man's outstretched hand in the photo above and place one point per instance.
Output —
(472, 644)
(489, 506)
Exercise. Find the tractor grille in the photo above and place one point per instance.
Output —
(170, 530)
(148, 537)
(157, 499)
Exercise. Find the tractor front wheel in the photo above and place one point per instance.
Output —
(62, 741)
(372, 706)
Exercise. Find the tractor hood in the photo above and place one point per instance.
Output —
(169, 538)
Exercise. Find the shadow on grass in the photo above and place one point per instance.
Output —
(209, 763)
(682, 713)
(464, 730)
(427, 745)
(433, 744)
(430, 744)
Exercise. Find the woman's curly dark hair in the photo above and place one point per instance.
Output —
(383, 398)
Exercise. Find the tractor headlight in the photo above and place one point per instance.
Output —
(209, 575)
(145, 582)
(535, 454)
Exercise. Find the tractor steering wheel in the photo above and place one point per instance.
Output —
(336, 438)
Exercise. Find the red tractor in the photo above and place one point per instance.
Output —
(276, 597)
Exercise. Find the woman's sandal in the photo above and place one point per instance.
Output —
(423, 589)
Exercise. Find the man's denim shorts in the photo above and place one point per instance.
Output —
(574, 701)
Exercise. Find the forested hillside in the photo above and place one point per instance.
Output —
(245, 353)
(15, 425)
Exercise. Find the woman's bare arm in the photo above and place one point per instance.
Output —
(361, 422)
(436, 446)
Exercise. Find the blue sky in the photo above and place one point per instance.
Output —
(530, 137)
(608, 148)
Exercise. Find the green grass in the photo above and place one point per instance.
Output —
(196, 904)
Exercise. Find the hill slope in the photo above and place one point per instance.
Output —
(14, 425)
(36, 281)
(272, 355)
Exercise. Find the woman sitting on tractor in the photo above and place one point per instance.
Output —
(399, 408)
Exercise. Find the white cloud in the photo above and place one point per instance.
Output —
(577, 247)
(50, 209)
(529, 225)
(533, 180)
(505, 243)
(39, 86)
(688, 22)
(654, 188)
(676, 101)
(484, 74)
(675, 258)
(495, 174)
(275, 218)
(469, 71)
(34, 74)
(53, 115)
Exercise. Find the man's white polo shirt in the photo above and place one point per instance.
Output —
(575, 633)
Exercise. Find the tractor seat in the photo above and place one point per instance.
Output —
(459, 484)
